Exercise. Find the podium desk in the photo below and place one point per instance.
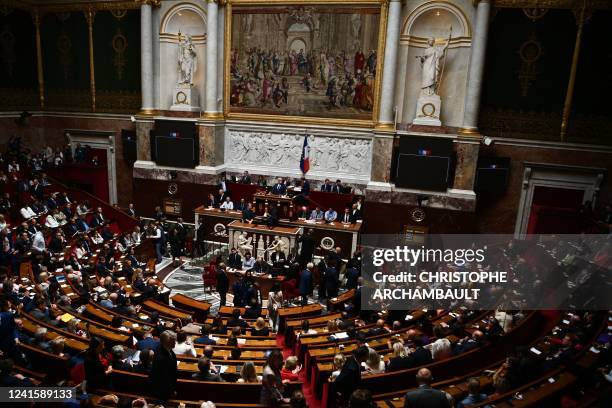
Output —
(326, 235)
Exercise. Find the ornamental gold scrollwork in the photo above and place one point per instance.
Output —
(120, 45)
(529, 52)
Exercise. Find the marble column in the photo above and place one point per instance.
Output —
(211, 109)
(465, 171)
(382, 153)
(146, 59)
(220, 58)
(144, 125)
(476, 70)
(386, 118)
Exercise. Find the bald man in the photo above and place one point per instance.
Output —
(425, 396)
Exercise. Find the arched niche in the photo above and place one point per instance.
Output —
(427, 20)
(433, 19)
(187, 19)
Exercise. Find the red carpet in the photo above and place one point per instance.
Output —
(311, 399)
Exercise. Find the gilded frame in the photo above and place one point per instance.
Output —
(304, 120)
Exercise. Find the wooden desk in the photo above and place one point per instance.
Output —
(346, 236)
(262, 202)
(199, 308)
(265, 281)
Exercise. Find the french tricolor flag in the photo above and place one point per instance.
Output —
(305, 159)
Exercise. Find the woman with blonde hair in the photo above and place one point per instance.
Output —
(260, 328)
(374, 364)
(400, 359)
(248, 373)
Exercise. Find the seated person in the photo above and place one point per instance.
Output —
(211, 202)
(475, 396)
(291, 369)
(248, 214)
(234, 260)
(260, 328)
(317, 214)
(205, 374)
(248, 262)
(331, 215)
(205, 336)
(227, 204)
(183, 347)
(235, 320)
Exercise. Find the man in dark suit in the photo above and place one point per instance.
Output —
(305, 187)
(67, 210)
(308, 247)
(245, 178)
(234, 260)
(36, 190)
(221, 197)
(349, 378)
(130, 210)
(306, 283)
(162, 379)
(98, 218)
(420, 356)
(279, 188)
(241, 206)
(355, 212)
(222, 283)
(425, 396)
(337, 188)
(332, 280)
(327, 186)
(248, 214)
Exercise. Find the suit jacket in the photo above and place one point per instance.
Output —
(245, 179)
(162, 379)
(222, 281)
(426, 397)
(247, 215)
(234, 260)
(420, 356)
(131, 212)
(326, 187)
(305, 282)
(306, 188)
(349, 378)
(279, 189)
(332, 281)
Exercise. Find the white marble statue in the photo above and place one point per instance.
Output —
(244, 243)
(187, 60)
(432, 62)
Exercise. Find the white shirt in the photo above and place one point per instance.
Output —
(136, 237)
(26, 212)
(228, 205)
(51, 222)
(248, 263)
(38, 242)
(184, 349)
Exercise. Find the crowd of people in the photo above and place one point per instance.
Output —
(260, 77)
(69, 242)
